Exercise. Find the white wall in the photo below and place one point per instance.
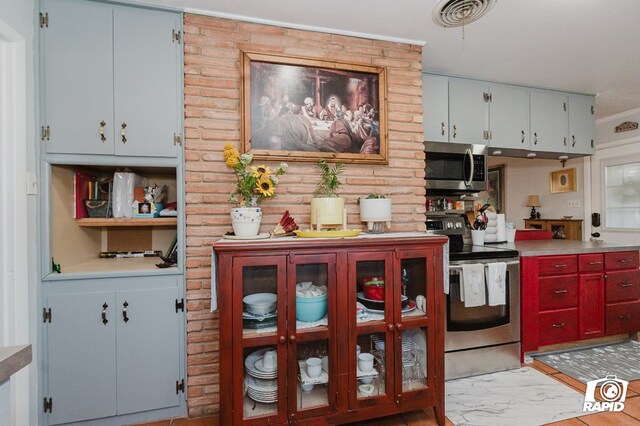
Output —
(525, 177)
(17, 216)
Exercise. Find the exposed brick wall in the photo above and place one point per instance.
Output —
(212, 109)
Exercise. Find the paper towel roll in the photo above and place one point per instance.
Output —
(502, 234)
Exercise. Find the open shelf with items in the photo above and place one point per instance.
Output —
(109, 222)
(296, 306)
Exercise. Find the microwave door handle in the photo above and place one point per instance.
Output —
(469, 154)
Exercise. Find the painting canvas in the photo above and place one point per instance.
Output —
(296, 108)
(494, 194)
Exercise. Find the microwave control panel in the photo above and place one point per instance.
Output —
(478, 167)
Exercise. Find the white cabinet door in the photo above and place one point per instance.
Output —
(77, 49)
(435, 107)
(147, 95)
(468, 111)
(81, 356)
(582, 124)
(148, 349)
(509, 116)
(549, 121)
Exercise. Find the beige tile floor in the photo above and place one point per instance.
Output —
(630, 416)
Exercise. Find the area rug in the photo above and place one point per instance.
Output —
(622, 359)
(523, 397)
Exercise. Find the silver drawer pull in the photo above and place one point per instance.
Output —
(559, 325)
(562, 265)
(595, 263)
(625, 260)
(626, 285)
(560, 291)
(625, 317)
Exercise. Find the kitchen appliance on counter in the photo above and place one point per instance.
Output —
(453, 168)
(480, 339)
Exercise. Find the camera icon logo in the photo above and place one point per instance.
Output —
(607, 394)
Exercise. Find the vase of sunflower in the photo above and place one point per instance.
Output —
(253, 185)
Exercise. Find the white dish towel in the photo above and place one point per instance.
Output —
(473, 286)
(497, 283)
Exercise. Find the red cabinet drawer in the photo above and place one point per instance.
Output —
(590, 262)
(557, 292)
(558, 326)
(621, 260)
(555, 265)
(623, 286)
(623, 317)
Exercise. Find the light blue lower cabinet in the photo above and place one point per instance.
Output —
(113, 347)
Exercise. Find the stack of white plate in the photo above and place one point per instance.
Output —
(265, 391)
(262, 383)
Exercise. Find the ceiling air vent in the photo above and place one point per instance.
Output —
(456, 13)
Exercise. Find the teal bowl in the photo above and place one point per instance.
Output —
(311, 308)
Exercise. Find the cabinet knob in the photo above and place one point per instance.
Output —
(102, 136)
(535, 138)
(625, 317)
(558, 325)
(626, 285)
(104, 313)
(442, 128)
(399, 327)
(282, 340)
(560, 291)
(123, 132)
(391, 327)
(625, 260)
(292, 339)
(522, 136)
(595, 263)
(125, 318)
(455, 131)
(561, 265)
(573, 140)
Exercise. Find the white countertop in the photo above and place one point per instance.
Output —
(550, 247)
(13, 359)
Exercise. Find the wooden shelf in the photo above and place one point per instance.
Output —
(98, 222)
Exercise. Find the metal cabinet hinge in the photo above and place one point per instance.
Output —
(48, 405)
(591, 143)
(486, 135)
(179, 386)
(46, 315)
(179, 305)
(44, 20)
(176, 36)
(485, 96)
(565, 141)
(592, 110)
(45, 133)
(564, 106)
(177, 139)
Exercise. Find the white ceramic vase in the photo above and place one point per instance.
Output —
(374, 210)
(246, 221)
(329, 210)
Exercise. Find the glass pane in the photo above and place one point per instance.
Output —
(260, 382)
(413, 276)
(311, 296)
(313, 375)
(558, 232)
(259, 297)
(371, 367)
(371, 291)
(414, 359)
(622, 198)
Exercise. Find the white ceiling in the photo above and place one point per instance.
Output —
(588, 46)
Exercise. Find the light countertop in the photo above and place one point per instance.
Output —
(13, 359)
(550, 247)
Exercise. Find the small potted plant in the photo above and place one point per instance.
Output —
(252, 186)
(326, 207)
(375, 209)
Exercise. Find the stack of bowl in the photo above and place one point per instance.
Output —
(259, 310)
(311, 301)
(373, 288)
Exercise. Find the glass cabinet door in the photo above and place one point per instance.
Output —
(259, 294)
(312, 296)
(371, 337)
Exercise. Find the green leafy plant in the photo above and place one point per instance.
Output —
(373, 197)
(329, 179)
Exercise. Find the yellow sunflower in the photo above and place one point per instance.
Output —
(261, 170)
(265, 186)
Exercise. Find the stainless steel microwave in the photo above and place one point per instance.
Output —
(453, 168)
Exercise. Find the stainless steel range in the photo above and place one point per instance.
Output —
(480, 339)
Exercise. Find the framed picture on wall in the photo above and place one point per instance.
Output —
(494, 194)
(304, 109)
(563, 181)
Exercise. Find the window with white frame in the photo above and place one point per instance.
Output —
(621, 193)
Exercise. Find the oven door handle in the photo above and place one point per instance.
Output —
(459, 267)
(469, 155)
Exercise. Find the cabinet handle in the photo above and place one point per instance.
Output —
(292, 339)
(625, 317)
(560, 291)
(595, 263)
(391, 327)
(573, 140)
(102, 136)
(104, 313)
(399, 327)
(558, 325)
(561, 265)
(282, 340)
(626, 285)
(535, 138)
(442, 129)
(123, 132)
(522, 137)
(124, 311)
(455, 131)
(625, 260)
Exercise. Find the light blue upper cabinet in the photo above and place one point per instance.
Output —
(112, 80)
(78, 65)
(468, 111)
(549, 121)
(146, 70)
(582, 125)
(509, 117)
(435, 107)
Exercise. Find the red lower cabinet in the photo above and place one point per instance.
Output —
(558, 326)
(623, 317)
(591, 305)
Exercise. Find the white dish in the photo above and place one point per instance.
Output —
(366, 389)
(308, 387)
(366, 380)
(410, 307)
(250, 362)
(260, 367)
(262, 236)
(262, 388)
(260, 303)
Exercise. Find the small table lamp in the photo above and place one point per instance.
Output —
(533, 201)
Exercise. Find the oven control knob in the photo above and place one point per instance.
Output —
(449, 225)
(458, 225)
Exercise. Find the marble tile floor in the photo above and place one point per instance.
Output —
(629, 417)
